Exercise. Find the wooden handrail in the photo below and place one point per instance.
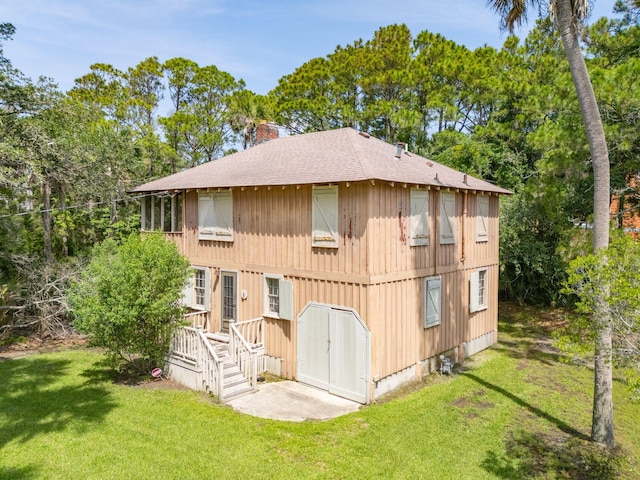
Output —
(244, 353)
(191, 344)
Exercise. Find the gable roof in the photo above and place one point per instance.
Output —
(333, 156)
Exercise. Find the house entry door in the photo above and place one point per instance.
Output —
(334, 351)
(229, 300)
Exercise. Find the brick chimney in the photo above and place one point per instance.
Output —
(265, 132)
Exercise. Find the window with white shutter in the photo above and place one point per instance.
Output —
(197, 292)
(324, 217)
(432, 302)
(419, 224)
(482, 218)
(447, 217)
(215, 216)
(478, 288)
(278, 297)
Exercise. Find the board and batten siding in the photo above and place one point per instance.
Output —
(272, 228)
(374, 269)
(281, 335)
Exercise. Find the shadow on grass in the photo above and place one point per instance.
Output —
(527, 349)
(40, 396)
(536, 455)
(535, 410)
(24, 473)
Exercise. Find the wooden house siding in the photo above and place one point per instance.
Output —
(371, 271)
(374, 270)
(272, 228)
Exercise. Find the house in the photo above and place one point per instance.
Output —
(361, 261)
(624, 207)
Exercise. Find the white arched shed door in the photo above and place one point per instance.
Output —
(333, 351)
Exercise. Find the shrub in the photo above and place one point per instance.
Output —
(128, 299)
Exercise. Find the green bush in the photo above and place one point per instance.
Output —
(128, 299)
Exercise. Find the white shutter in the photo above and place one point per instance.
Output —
(215, 216)
(447, 217)
(419, 226)
(286, 300)
(324, 217)
(482, 218)
(206, 217)
(474, 285)
(207, 290)
(223, 208)
(187, 292)
(432, 302)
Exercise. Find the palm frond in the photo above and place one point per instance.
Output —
(513, 13)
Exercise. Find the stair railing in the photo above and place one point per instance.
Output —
(190, 344)
(246, 348)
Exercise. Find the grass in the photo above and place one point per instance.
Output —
(511, 412)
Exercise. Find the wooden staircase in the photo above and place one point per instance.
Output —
(235, 385)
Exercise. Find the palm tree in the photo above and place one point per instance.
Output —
(246, 110)
(568, 16)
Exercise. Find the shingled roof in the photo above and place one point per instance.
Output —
(343, 155)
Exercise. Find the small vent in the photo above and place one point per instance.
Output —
(399, 150)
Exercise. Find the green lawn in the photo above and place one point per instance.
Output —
(511, 412)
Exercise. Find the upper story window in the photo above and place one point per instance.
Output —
(447, 217)
(482, 218)
(324, 216)
(419, 224)
(162, 213)
(215, 216)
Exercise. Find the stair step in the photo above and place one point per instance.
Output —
(240, 380)
(237, 391)
(218, 337)
(231, 370)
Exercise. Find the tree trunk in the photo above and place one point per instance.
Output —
(602, 422)
(46, 219)
(65, 236)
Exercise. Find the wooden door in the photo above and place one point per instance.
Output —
(333, 351)
(229, 300)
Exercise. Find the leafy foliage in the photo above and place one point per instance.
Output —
(128, 299)
(532, 268)
(610, 277)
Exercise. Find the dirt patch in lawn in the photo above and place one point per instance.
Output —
(474, 404)
(160, 384)
(33, 345)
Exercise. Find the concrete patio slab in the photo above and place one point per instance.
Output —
(293, 402)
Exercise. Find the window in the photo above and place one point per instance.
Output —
(432, 302)
(197, 293)
(199, 287)
(482, 218)
(273, 294)
(419, 224)
(215, 216)
(478, 290)
(162, 213)
(324, 217)
(278, 297)
(447, 217)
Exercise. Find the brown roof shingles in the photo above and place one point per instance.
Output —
(333, 156)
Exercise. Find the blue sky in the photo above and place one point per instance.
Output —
(256, 40)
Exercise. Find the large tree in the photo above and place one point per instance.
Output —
(568, 16)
